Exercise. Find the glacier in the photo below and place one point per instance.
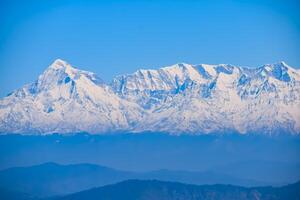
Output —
(177, 99)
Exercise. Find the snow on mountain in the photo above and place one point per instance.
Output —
(65, 99)
(182, 98)
(215, 98)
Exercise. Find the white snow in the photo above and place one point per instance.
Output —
(182, 98)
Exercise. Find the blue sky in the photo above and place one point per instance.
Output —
(116, 37)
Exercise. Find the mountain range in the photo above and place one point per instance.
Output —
(178, 99)
(51, 181)
(161, 190)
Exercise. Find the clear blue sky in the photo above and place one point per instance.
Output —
(116, 37)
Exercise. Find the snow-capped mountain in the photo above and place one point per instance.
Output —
(65, 99)
(182, 98)
(213, 98)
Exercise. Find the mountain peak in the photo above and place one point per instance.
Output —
(280, 64)
(279, 70)
(62, 66)
(57, 73)
(59, 64)
(283, 63)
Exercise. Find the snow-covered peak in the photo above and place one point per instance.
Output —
(182, 71)
(284, 63)
(178, 66)
(280, 71)
(61, 73)
(279, 65)
(61, 67)
(177, 76)
(59, 64)
(170, 77)
(65, 99)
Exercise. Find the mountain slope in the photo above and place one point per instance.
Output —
(182, 98)
(144, 190)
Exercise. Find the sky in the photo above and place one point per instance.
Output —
(115, 37)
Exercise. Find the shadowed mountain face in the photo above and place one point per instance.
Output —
(149, 190)
(53, 179)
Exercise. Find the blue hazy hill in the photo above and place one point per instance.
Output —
(50, 179)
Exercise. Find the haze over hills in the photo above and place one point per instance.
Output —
(89, 181)
(183, 98)
(51, 179)
(270, 160)
(159, 190)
